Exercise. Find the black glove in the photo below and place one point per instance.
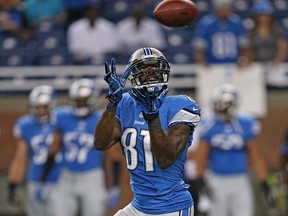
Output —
(203, 187)
(11, 192)
(268, 193)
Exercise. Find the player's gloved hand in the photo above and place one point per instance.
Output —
(151, 104)
(11, 192)
(40, 194)
(116, 83)
(268, 193)
(203, 188)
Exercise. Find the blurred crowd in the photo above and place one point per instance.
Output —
(70, 32)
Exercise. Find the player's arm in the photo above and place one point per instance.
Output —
(202, 158)
(257, 161)
(53, 150)
(107, 131)
(167, 147)
(17, 168)
(260, 169)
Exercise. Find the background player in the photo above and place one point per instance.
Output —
(34, 133)
(154, 131)
(82, 182)
(227, 145)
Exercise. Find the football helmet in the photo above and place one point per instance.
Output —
(225, 101)
(82, 94)
(149, 69)
(42, 96)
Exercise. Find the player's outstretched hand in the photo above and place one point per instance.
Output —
(151, 104)
(116, 83)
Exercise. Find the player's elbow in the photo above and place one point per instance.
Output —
(99, 144)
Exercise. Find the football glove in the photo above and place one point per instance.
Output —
(116, 83)
(269, 196)
(151, 104)
(11, 192)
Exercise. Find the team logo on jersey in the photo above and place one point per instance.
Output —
(138, 122)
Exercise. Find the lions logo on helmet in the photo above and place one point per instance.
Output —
(225, 101)
(42, 100)
(83, 95)
(149, 68)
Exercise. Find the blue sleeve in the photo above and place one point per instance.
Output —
(184, 111)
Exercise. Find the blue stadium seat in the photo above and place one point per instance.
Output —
(179, 55)
(178, 37)
(51, 40)
(116, 10)
(204, 7)
(281, 8)
(15, 57)
(242, 7)
(55, 57)
(10, 42)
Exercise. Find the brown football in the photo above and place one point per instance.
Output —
(176, 13)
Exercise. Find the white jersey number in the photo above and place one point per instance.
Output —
(129, 140)
(78, 146)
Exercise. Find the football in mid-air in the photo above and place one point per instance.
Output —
(176, 13)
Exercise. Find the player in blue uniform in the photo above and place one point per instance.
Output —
(154, 131)
(33, 133)
(227, 145)
(220, 37)
(82, 182)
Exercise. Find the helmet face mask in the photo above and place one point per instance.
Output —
(42, 100)
(149, 69)
(225, 102)
(83, 95)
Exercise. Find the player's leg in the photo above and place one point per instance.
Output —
(129, 210)
(91, 187)
(242, 203)
(65, 201)
(34, 207)
(220, 200)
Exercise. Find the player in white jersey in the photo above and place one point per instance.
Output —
(154, 132)
(33, 133)
(227, 145)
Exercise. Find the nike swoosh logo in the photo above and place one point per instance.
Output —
(195, 109)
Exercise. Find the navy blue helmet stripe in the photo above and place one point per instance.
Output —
(147, 51)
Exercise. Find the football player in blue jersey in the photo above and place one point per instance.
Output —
(82, 181)
(227, 145)
(154, 131)
(33, 133)
(220, 37)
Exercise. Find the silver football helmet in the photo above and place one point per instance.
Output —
(42, 96)
(225, 101)
(82, 94)
(149, 69)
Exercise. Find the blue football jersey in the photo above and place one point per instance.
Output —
(228, 143)
(221, 40)
(79, 154)
(38, 137)
(156, 190)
